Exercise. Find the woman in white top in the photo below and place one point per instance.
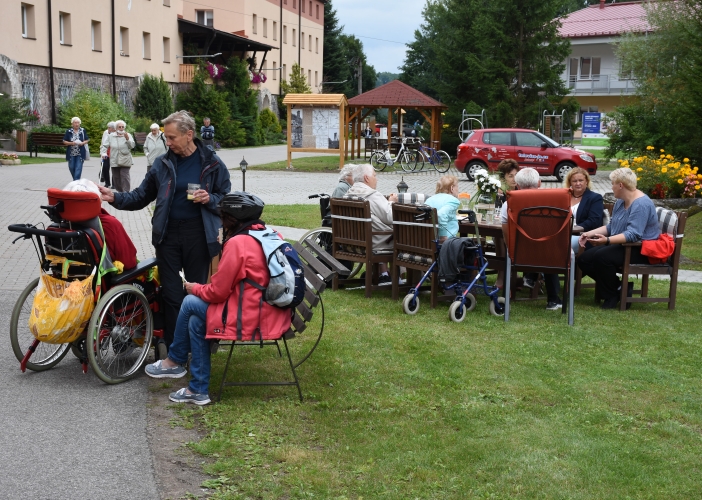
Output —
(120, 144)
(154, 145)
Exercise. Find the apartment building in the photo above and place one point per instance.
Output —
(293, 28)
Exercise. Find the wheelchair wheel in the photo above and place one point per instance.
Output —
(500, 309)
(322, 236)
(410, 304)
(119, 334)
(457, 311)
(46, 355)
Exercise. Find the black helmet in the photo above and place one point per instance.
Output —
(242, 206)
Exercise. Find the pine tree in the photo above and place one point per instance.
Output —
(153, 99)
(335, 67)
(242, 99)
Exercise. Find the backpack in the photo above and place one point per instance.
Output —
(286, 288)
(207, 133)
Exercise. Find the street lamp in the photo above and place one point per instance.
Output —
(243, 166)
(402, 187)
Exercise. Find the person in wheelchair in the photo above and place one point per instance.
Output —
(229, 308)
(345, 181)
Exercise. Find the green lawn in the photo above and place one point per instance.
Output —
(306, 164)
(26, 160)
(692, 243)
(299, 216)
(401, 406)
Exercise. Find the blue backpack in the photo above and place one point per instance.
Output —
(286, 288)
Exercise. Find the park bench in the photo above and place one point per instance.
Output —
(320, 268)
(45, 139)
(140, 139)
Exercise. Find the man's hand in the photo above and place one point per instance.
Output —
(106, 194)
(201, 196)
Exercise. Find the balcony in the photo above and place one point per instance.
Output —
(601, 85)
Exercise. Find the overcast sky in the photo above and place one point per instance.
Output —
(373, 21)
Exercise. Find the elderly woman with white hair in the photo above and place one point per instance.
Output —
(345, 181)
(185, 225)
(154, 145)
(105, 156)
(120, 144)
(75, 140)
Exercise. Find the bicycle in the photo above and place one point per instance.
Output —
(322, 236)
(408, 159)
(440, 160)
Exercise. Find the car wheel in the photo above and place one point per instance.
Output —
(472, 168)
(562, 170)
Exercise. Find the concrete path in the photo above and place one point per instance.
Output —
(68, 435)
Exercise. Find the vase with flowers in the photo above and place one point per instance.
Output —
(484, 200)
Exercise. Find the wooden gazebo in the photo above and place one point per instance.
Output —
(393, 96)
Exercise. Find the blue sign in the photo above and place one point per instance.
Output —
(591, 123)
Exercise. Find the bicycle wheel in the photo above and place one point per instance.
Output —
(378, 161)
(442, 162)
(119, 334)
(46, 355)
(322, 236)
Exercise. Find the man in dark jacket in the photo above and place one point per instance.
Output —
(184, 232)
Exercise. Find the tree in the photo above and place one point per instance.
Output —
(298, 82)
(353, 54)
(13, 114)
(334, 66)
(384, 77)
(667, 66)
(153, 99)
(242, 98)
(513, 53)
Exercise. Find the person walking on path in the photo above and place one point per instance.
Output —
(120, 144)
(184, 231)
(75, 140)
(207, 132)
(105, 156)
(154, 146)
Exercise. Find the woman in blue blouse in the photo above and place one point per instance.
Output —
(445, 201)
(633, 219)
(75, 140)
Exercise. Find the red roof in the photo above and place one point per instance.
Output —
(613, 19)
(395, 94)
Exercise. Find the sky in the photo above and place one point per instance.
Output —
(379, 24)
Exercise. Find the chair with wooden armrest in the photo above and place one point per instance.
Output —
(607, 215)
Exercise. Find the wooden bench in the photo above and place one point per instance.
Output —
(140, 139)
(45, 139)
(318, 272)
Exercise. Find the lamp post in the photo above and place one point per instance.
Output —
(402, 187)
(243, 166)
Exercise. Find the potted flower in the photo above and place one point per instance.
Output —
(484, 199)
(10, 159)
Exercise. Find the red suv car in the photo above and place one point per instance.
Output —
(486, 148)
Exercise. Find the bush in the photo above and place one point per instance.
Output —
(270, 128)
(140, 124)
(54, 129)
(153, 100)
(663, 176)
(13, 114)
(95, 109)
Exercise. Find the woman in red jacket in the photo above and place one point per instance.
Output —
(211, 312)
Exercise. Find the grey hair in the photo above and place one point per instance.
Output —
(182, 119)
(361, 171)
(111, 125)
(346, 171)
(75, 119)
(624, 175)
(153, 126)
(527, 178)
(120, 122)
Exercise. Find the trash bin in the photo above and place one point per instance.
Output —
(21, 140)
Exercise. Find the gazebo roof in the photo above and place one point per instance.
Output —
(315, 99)
(394, 94)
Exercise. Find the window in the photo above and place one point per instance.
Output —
(28, 21)
(65, 92)
(146, 45)
(310, 8)
(528, 140)
(124, 41)
(317, 12)
(167, 3)
(302, 41)
(284, 76)
(309, 75)
(254, 29)
(29, 92)
(275, 30)
(294, 4)
(316, 45)
(498, 138)
(205, 17)
(96, 36)
(316, 79)
(265, 28)
(589, 68)
(275, 71)
(285, 34)
(166, 50)
(123, 95)
(309, 44)
(64, 28)
(294, 37)
(302, 5)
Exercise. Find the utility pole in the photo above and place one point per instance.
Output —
(360, 76)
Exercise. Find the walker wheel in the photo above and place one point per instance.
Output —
(457, 311)
(470, 302)
(498, 310)
(410, 304)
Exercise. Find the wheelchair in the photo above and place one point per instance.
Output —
(470, 281)
(127, 309)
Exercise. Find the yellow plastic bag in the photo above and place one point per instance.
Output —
(61, 309)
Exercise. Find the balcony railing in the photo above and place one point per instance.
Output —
(187, 72)
(601, 84)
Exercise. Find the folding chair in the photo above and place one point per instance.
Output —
(539, 228)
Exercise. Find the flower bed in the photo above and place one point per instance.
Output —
(662, 176)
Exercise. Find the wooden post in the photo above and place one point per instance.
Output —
(342, 141)
(358, 135)
(289, 165)
(389, 127)
(344, 136)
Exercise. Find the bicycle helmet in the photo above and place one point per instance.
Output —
(242, 206)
